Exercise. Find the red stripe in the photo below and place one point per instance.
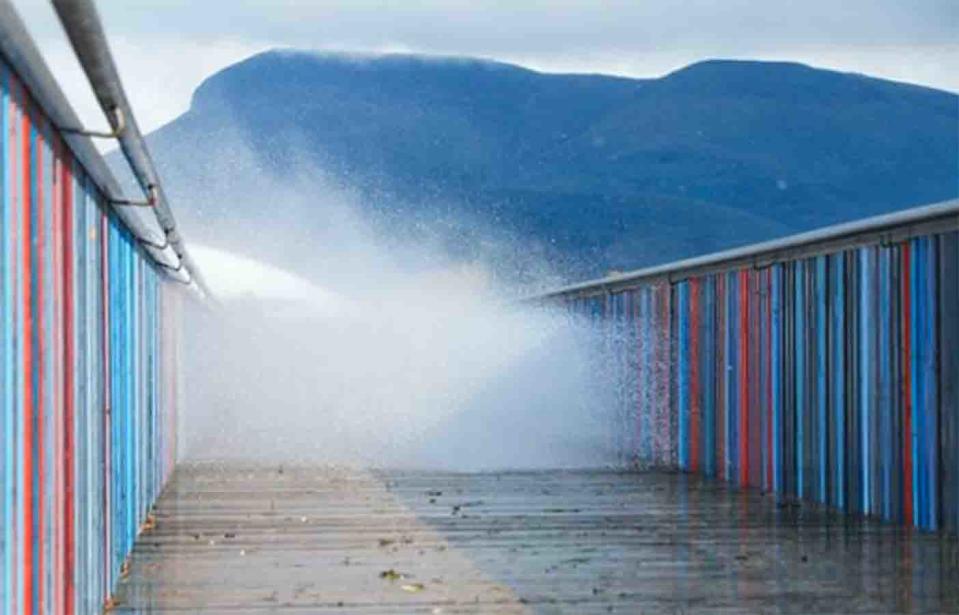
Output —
(906, 388)
(55, 407)
(655, 397)
(41, 374)
(640, 364)
(694, 409)
(66, 184)
(28, 402)
(769, 387)
(13, 153)
(663, 362)
(743, 377)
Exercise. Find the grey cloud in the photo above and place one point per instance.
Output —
(641, 37)
(536, 26)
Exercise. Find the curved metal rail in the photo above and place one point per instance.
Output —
(165, 246)
(19, 50)
(85, 31)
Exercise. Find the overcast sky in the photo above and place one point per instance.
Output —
(165, 48)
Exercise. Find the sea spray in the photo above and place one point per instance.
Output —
(435, 370)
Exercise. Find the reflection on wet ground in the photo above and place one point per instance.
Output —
(327, 540)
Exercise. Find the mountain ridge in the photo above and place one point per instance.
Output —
(594, 172)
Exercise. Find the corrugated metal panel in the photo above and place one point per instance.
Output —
(831, 377)
(949, 378)
(87, 375)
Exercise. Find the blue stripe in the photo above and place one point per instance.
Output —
(132, 439)
(927, 362)
(839, 377)
(865, 376)
(708, 361)
(7, 267)
(16, 174)
(821, 392)
(116, 410)
(916, 384)
(885, 408)
(800, 384)
(775, 384)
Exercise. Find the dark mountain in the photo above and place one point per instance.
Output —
(592, 172)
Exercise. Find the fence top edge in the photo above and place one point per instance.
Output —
(845, 233)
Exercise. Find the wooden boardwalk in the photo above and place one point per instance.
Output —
(326, 540)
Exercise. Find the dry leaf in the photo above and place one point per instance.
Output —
(391, 575)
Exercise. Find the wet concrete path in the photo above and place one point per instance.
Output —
(324, 540)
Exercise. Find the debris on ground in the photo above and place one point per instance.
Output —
(392, 575)
(149, 523)
(413, 587)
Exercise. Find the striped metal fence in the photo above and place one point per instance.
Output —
(88, 377)
(823, 367)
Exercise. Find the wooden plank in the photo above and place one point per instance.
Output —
(323, 540)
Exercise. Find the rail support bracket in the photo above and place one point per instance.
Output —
(119, 126)
(151, 201)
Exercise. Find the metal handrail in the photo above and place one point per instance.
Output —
(85, 31)
(21, 54)
(884, 229)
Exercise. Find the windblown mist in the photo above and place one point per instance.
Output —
(380, 351)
